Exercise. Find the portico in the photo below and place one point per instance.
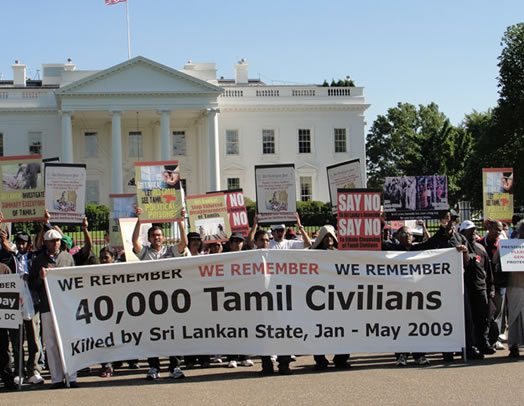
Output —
(135, 110)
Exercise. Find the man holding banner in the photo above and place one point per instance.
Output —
(157, 250)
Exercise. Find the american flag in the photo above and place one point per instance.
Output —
(110, 2)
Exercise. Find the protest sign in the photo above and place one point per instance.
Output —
(344, 175)
(275, 187)
(512, 255)
(415, 197)
(158, 191)
(260, 302)
(122, 206)
(236, 209)
(22, 193)
(497, 194)
(10, 312)
(208, 216)
(358, 219)
(127, 226)
(65, 192)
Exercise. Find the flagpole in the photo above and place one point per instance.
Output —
(128, 40)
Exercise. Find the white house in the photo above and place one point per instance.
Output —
(218, 129)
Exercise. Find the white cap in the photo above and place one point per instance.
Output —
(278, 227)
(52, 235)
(466, 225)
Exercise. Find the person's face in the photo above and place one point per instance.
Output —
(328, 242)
(262, 241)
(278, 234)
(53, 246)
(215, 248)
(505, 227)
(405, 237)
(194, 245)
(21, 246)
(494, 230)
(470, 233)
(106, 258)
(156, 238)
(446, 219)
(236, 244)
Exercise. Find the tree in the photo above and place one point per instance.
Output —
(509, 114)
(414, 142)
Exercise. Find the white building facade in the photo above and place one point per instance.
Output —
(217, 129)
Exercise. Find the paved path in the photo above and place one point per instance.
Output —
(371, 380)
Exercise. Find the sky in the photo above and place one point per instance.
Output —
(409, 51)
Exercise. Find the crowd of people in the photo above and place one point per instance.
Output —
(493, 300)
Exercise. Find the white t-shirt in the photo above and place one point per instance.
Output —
(286, 245)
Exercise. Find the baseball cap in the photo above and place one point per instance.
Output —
(22, 236)
(237, 236)
(453, 213)
(278, 227)
(52, 235)
(466, 225)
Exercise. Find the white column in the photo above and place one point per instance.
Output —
(214, 152)
(116, 153)
(164, 135)
(67, 138)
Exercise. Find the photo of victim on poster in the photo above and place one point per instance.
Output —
(498, 193)
(22, 192)
(65, 191)
(275, 187)
(415, 197)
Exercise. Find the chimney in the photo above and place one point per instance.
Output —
(241, 72)
(19, 76)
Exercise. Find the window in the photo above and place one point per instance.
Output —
(340, 140)
(233, 183)
(232, 142)
(135, 144)
(92, 192)
(1, 144)
(179, 143)
(304, 141)
(35, 142)
(268, 141)
(306, 188)
(91, 145)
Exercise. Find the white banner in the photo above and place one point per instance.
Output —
(260, 302)
(10, 312)
(512, 255)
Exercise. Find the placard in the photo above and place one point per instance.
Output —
(10, 312)
(65, 192)
(22, 194)
(359, 225)
(158, 191)
(127, 226)
(498, 193)
(208, 216)
(276, 193)
(415, 197)
(512, 255)
(122, 206)
(344, 175)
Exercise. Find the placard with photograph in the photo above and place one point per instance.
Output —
(415, 197)
(208, 216)
(65, 192)
(275, 187)
(498, 193)
(22, 193)
(159, 191)
(122, 206)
